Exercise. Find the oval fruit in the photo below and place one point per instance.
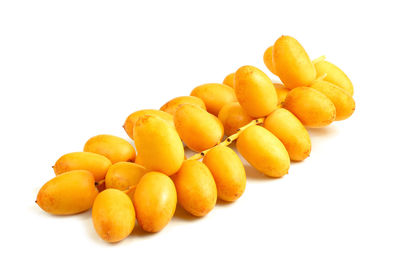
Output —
(255, 91)
(281, 92)
(232, 117)
(228, 172)
(158, 144)
(263, 151)
(310, 106)
(69, 193)
(124, 175)
(95, 163)
(196, 189)
(268, 61)
(344, 102)
(198, 129)
(155, 201)
(114, 148)
(113, 215)
(171, 106)
(292, 63)
(289, 130)
(214, 95)
(131, 119)
(334, 75)
(229, 80)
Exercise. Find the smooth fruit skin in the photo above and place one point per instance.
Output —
(310, 106)
(255, 91)
(334, 75)
(124, 175)
(155, 201)
(268, 61)
(198, 129)
(281, 92)
(196, 189)
(132, 118)
(232, 117)
(69, 193)
(214, 95)
(228, 172)
(263, 151)
(172, 105)
(114, 148)
(113, 215)
(158, 144)
(229, 80)
(344, 102)
(291, 132)
(292, 64)
(95, 163)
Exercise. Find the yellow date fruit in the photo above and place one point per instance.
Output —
(173, 104)
(114, 148)
(113, 215)
(344, 102)
(263, 151)
(132, 118)
(69, 193)
(255, 91)
(232, 117)
(310, 106)
(124, 175)
(292, 64)
(198, 129)
(281, 92)
(95, 163)
(268, 61)
(214, 95)
(229, 80)
(334, 75)
(155, 201)
(158, 144)
(291, 132)
(228, 172)
(196, 189)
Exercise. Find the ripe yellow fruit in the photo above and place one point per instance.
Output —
(196, 189)
(263, 151)
(344, 102)
(229, 80)
(113, 215)
(334, 75)
(124, 175)
(310, 106)
(158, 144)
(173, 104)
(131, 119)
(232, 117)
(289, 130)
(95, 163)
(281, 92)
(198, 129)
(69, 193)
(268, 61)
(155, 201)
(114, 148)
(228, 172)
(292, 63)
(255, 91)
(214, 95)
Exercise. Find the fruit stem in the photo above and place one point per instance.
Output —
(229, 139)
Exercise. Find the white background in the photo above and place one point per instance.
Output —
(72, 69)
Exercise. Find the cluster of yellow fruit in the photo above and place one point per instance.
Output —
(268, 120)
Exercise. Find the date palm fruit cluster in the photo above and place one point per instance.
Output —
(122, 184)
